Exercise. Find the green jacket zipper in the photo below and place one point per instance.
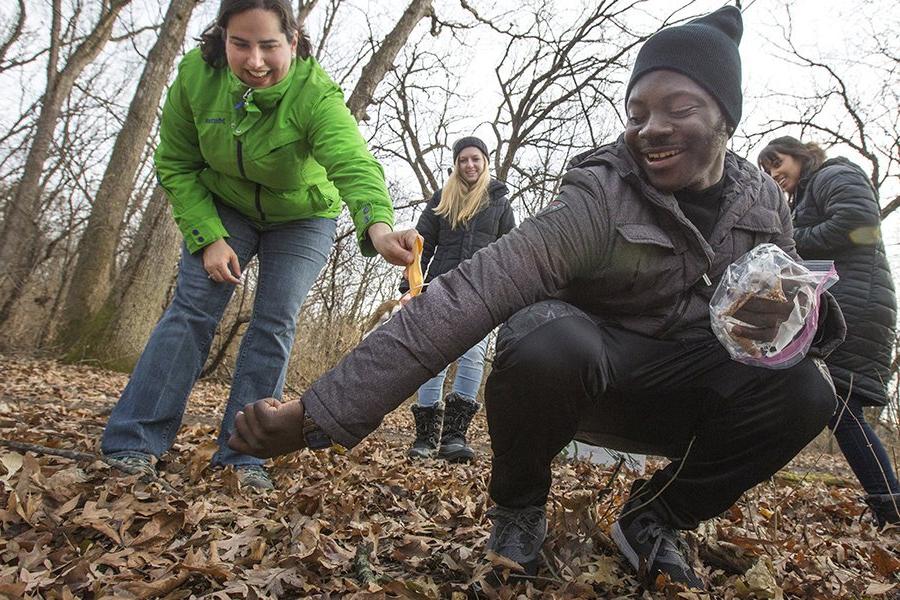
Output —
(257, 189)
(262, 215)
(240, 159)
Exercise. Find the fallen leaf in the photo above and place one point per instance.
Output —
(12, 462)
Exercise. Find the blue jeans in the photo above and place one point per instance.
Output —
(149, 413)
(469, 370)
(862, 448)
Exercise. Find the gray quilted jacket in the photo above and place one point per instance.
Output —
(610, 244)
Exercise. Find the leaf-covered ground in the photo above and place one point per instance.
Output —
(366, 523)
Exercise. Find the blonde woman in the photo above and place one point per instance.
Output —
(469, 213)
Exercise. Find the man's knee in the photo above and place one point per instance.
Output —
(539, 335)
(809, 395)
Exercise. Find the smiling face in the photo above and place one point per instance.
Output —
(258, 51)
(676, 132)
(470, 164)
(785, 170)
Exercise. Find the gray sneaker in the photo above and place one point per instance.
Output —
(254, 476)
(134, 463)
(518, 535)
(652, 547)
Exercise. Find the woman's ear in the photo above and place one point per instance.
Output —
(450, 171)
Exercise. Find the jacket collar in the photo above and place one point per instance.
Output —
(743, 184)
(258, 99)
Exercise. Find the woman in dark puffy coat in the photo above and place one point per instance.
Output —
(837, 217)
(469, 213)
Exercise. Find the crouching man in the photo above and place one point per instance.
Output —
(605, 295)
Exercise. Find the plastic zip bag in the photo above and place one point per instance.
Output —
(768, 272)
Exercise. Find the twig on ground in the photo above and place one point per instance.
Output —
(720, 556)
(76, 455)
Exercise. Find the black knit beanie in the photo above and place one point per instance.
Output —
(463, 143)
(706, 50)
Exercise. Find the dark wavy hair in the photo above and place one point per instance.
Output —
(212, 40)
(810, 154)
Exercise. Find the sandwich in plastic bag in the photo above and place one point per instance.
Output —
(768, 276)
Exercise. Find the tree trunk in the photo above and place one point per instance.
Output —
(116, 335)
(96, 254)
(383, 59)
(19, 238)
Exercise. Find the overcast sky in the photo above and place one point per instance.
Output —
(823, 28)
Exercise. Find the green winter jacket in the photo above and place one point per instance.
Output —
(287, 152)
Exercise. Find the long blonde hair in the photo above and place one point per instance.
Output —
(460, 201)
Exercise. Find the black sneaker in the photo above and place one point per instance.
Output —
(886, 508)
(652, 547)
(254, 476)
(133, 463)
(518, 535)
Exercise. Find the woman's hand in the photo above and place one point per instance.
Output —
(395, 246)
(268, 428)
(222, 264)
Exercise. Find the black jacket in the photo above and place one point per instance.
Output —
(445, 247)
(837, 217)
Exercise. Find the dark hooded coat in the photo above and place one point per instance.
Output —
(837, 217)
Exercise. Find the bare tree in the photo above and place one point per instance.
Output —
(383, 59)
(303, 10)
(95, 266)
(414, 117)
(116, 334)
(834, 110)
(20, 233)
(559, 86)
(15, 31)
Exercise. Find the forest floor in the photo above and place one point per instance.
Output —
(367, 523)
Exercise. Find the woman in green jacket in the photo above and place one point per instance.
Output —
(257, 151)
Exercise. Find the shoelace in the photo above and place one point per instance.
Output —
(136, 462)
(525, 521)
(254, 472)
(656, 532)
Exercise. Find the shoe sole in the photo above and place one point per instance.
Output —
(421, 455)
(625, 548)
(457, 455)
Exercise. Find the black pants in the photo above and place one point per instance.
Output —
(862, 447)
(557, 375)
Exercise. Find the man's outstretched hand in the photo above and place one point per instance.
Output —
(268, 428)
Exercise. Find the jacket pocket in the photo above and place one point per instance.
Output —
(317, 199)
(640, 233)
(276, 143)
(646, 266)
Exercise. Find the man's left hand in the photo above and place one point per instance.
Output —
(395, 246)
(268, 428)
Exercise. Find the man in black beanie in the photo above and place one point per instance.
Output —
(607, 339)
